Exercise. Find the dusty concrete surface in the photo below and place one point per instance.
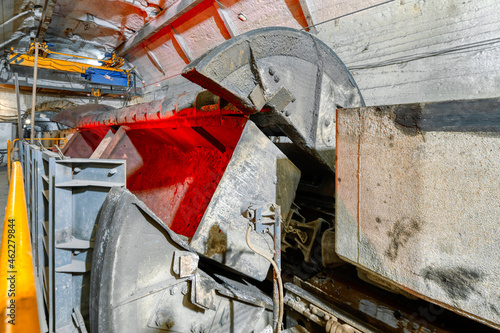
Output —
(409, 51)
(418, 208)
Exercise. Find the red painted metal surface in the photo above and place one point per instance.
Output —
(156, 111)
(175, 158)
(175, 171)
(83, 143)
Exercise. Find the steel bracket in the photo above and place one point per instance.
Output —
(263, 216)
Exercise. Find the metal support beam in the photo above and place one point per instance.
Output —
(46, 18)
(67, 89)
(165, 18)
(12, 19)
(33, 102)
(185, 49)
(19, 120)
(155, 60)
(228, 24)
(305, 6)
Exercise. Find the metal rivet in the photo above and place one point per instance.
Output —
(112, 171)
(271, 71)
(288, 113)
(276, 78)
(77, 170)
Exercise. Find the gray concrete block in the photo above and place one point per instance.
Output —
(424, 197)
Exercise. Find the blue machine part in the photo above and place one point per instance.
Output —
(103, 76)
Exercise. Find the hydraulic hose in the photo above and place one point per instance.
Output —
(278, 277)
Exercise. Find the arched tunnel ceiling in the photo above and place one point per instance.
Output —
(82, 27)
(399, 51)
(158, 37)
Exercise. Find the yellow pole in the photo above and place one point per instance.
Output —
(18, 305)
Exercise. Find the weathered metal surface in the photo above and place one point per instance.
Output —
(329, 258)
(417, 200)
(296, 75)
(251, 177)
(382, 309)
(202, 291)
(178, 107)
(175, 167)
(65, 199)
(70, 116)
(99, 150)
(83, 143)
(321, 313)
(243, 292)
(185, 263)
(452, 116)
(134, 287)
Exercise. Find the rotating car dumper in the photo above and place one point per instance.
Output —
(209, 172)
(195, 164)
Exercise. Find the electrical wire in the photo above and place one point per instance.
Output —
(13, 18)
(69, 81)
(414, 57)
(348, 14)
(278, 277)
(405, 59)
(311, 26)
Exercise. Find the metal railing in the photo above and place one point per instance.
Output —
(11, 149)
(57, 191)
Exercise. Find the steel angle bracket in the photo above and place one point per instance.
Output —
(289, 72)
(263, 216)
(185, 265)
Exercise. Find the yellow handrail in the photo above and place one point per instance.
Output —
(11, 148)
(18, 308)
(8, 160)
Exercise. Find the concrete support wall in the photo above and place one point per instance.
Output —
(409, 51)
(399, 51)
